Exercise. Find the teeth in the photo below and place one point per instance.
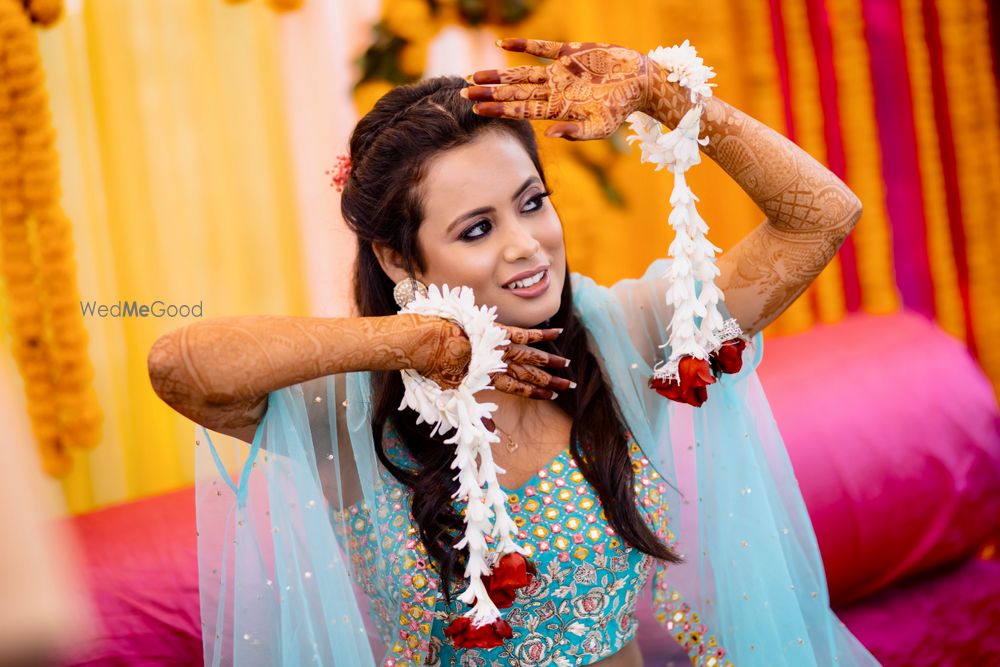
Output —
(527, 282)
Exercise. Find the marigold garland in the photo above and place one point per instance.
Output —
(941, 253)
(972, 106)
(36, 250)
(863, 154)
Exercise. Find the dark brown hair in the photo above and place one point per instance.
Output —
(389, 150)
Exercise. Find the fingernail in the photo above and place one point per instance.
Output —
(560, 330)
(572, 385)
(567, 363)
(554, 396)
(499, 42)
(464, 93)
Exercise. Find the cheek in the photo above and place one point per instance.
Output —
(463, 265)
(551, 237)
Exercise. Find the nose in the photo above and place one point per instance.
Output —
(520, 243)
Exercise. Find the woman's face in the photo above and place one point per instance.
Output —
(490, 225)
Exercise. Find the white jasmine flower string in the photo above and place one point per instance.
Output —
(458, 409)
(693, 255)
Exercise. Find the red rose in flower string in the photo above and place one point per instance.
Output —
(729, 357)
(695, 376)
(464, 635)
(513, 572)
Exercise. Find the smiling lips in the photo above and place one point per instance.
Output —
(530, 284)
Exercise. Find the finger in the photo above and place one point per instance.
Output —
(529, 356)
(525, 336)
(505, 92)
(539, 378)
(509, 385)
(528, 109)
(520, 74)
(562, 130)
(536, 47)
(578, 131)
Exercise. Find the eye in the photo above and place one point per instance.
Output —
(478, 230)
(537, 201)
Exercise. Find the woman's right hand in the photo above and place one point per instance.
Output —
(524, 375)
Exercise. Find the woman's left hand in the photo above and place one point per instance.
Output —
(591, 87)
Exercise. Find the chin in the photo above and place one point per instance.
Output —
(529, 315)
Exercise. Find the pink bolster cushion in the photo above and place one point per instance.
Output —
(894, 435)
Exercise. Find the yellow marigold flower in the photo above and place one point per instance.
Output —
(45, 12)
(413, 58)
(410, 19)
(285, 5)
(368, 93)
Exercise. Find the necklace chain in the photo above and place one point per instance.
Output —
(511, 445)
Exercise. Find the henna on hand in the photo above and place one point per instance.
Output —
(524, 375)
(449, 361)
(592, 87)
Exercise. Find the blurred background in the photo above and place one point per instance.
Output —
(192, 140)
(178, 151)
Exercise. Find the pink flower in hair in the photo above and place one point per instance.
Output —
(340, 172)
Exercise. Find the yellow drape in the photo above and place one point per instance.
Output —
(177, 178)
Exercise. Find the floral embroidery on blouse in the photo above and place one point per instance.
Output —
(581, 606)
(579, 609)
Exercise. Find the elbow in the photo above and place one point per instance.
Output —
(856, 208)
(162, 365)
(853, 214)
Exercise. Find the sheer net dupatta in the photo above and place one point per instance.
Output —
(751, 589)
(277, 562)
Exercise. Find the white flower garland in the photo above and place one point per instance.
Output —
(693, 255)
(447, 409)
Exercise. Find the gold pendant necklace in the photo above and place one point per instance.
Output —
(511, 445)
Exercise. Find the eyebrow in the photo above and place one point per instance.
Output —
(489, 209)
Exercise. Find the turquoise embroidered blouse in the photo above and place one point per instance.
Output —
(578, 610)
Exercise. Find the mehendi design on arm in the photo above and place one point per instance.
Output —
(219, 372)
(809, 210)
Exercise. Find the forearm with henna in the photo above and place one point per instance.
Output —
(809, 210)
(219, 372)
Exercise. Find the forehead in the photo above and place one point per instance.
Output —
(484, 172)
